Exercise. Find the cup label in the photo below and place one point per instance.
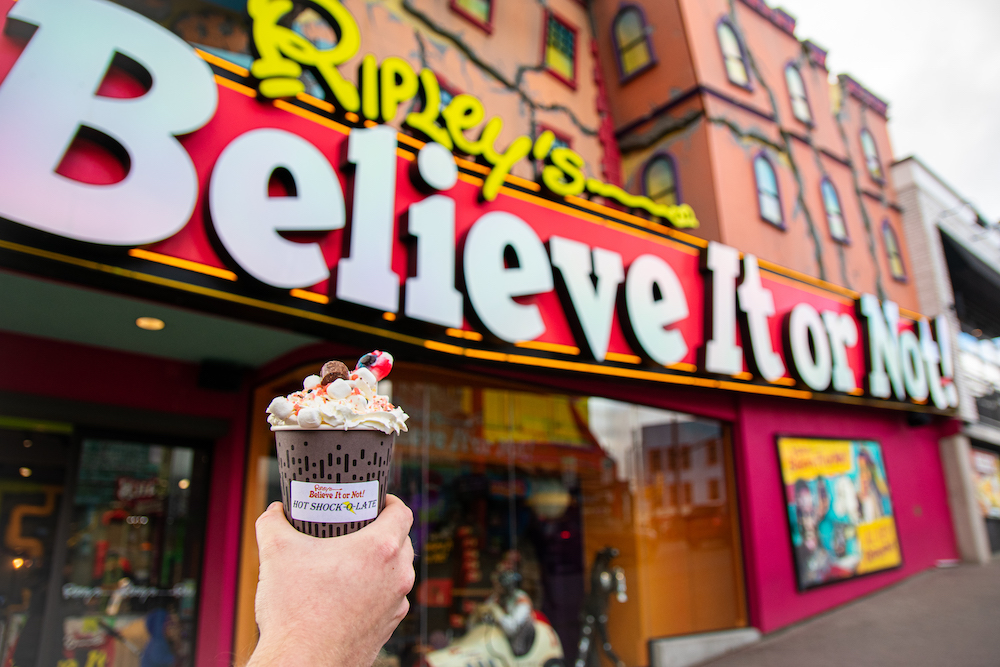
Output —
(321, 502)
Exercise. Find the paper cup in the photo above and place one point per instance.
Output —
(333, 482)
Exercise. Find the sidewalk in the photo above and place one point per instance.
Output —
(947, 617)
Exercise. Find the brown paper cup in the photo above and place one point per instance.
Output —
(333, 482)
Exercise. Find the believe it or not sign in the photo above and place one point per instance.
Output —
(219, 181)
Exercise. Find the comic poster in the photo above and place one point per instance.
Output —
(986, 477)
(839, 509)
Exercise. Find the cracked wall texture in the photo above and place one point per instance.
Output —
(715, 133)
(502, 68)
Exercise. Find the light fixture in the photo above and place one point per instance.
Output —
(28, 443)
(25, 472)
(18, 563)
(184, 483)
(150, 323)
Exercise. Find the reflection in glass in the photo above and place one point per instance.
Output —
(133, 555)
(524, 502)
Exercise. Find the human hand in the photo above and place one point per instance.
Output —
(332, 601)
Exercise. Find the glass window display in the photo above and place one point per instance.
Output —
(133, 555)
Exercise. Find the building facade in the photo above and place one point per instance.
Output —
(657, 333)
(960, 250)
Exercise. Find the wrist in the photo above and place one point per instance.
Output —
(289, 651)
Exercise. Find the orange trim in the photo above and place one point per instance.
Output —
(622, 358)
(788, 382)
(182, 263)
(310, 296)
(548, 347)
(406, 155)
(410, 141)
(316, 102)
(351, 116)
(801, 277)
(636, 220)
(524, 183)
(472, 180)
(472, 166)
(808, 287)
(238, 87)
(562, 208)
(222, 63)
(309, 115)
(389, 317)
(462, 333)
(682, 366)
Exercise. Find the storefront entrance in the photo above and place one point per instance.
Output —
(543, 494)
(102, 547)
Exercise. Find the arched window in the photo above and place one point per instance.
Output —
(892, 252)
(768, 200)
(732, 54)
(631, 41)
(871, 155)
(797, 94)
(659, 181)
(834, 213)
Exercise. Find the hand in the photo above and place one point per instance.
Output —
(332, 601)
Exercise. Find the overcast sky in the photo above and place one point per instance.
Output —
(937, 64)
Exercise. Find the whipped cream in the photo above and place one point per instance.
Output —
(332, 401)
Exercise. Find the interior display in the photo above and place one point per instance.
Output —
(133, 555)
(839, 509)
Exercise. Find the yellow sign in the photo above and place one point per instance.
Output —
(282, 53)
(802, 459)
(879, 545)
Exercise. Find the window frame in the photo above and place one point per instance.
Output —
(724, 21)
(622, 76)
(553, 16)
(805, 95)
(840, 203)
(888, 230)
(486, 27)
(878, 159)
(673, 168)
(762, 155)
(560, 136)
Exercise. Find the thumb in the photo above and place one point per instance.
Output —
(273, 528)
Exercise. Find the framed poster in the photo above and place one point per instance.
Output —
(839, 509)
(986, 477)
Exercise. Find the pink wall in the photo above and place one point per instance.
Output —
(915, 479)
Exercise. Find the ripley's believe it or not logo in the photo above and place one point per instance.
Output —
(283, 53)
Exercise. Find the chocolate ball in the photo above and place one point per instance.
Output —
(333, 370)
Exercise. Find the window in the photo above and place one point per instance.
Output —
(560, 49)
(732, 54)
(892, 252)
(655, 460)
(575, 484)
(871, 155)
(659, 181)
(797, 94)
(711, 454)
(629, 33)
(713, 489)
(768, 200)
(834, 214)
(479, 12)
